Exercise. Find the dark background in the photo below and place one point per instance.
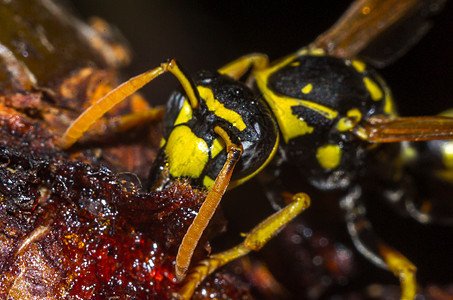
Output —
(207, 34)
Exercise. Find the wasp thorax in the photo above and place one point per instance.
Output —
(318, 100)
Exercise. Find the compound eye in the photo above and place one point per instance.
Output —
(178, 111)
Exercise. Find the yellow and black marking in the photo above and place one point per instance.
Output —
(310, 105)
(193, 150)
(328, 115)
(313, 101)
(317, 101)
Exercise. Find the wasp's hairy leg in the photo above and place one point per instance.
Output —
(254, 240)
(106, 103)
(237, 68)
(209, 206)
(373, 248)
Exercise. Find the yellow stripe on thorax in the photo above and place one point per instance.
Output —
(290, 124)
(219, 109)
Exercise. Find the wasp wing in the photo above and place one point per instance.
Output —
(381, 129)
(379, 31)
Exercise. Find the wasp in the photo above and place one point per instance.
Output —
(320, 108)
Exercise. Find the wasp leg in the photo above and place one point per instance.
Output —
(427, 211)
(106, 103)
(366, 241)
(427, 203)
(237, 68)
(254, 240)
(125, 122)
(209, 206)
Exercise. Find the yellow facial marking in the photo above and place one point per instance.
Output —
(329, 156)
(219, 109)
(185, 114)
(290, 124)
(295, 64)
(217, 146)
(208, 182)
(187, 154)
(373, 89)
(307, 89)
(358, 65)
